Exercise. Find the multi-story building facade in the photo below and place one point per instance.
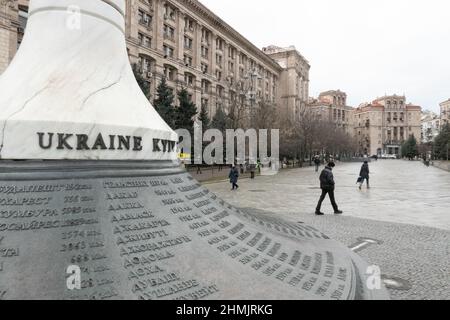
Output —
(431, 126)
(13, 18)
(294, 79)
(191, 47)
(383, 125)
(332, 106)
(445, 112)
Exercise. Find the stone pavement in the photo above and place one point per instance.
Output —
(407, 211)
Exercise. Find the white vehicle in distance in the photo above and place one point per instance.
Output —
(389, 156)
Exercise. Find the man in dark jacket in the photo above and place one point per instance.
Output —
(364, 174)
(327, 186)
(234, 176)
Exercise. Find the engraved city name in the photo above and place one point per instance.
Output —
(81, 142)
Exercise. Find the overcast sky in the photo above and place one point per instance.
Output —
(367, 48)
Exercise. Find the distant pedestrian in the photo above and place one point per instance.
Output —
(317, 163)
(364, 175)
(258, 166)
(252, 171)
(199, 169)
(327, 185)
(234, 176)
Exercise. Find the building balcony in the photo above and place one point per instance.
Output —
(169, 37)
(393, 142)
(189, 30)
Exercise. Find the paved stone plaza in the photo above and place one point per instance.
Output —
(407, 210)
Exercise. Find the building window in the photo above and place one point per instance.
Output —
(188, 25)
(219, 75)
(168, 51)
(231, 53)
(205, 103)
(145, 65)
(23, 18)
(219, 44)
(187, 60)
(204, 68)
(169, 13)
(241, 72)
(205, 86)
(205, 36)
(169, 73)
(189, 79)
(219, 60)
(230, 66)
(205, 52)
(188, 43)
(144, 40)
(220, 92)
(242, 58)
(169, 32)
(144, 18)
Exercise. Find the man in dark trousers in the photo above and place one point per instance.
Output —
(317, 163)
(327, 186)
(364, 175)
(234, 176)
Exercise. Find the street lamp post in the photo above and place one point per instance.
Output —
(252, 76)
(247, 89)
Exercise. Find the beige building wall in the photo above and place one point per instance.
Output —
(332, 106)
(192, 47)
(431, 126)
(382, 126)
(9, 23)
(445, 112)
(294, 79)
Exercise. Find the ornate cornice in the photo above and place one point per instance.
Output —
(219, 24)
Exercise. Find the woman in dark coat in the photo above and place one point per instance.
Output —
(364, 174)
(234, 176)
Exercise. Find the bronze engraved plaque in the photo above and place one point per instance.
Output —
(136, 233)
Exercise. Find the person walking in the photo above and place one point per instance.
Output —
(258, 166)
(317, 163)
(252, 170)
(327, 185)
(364, 175)
(234, 176)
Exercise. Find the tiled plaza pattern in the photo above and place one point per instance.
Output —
(407, 209)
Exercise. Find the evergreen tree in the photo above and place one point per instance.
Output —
(409, 148)
(164, 103)
(442, 143)
(185, 112)
(143, 84)
(204, 118)
(220, 121)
